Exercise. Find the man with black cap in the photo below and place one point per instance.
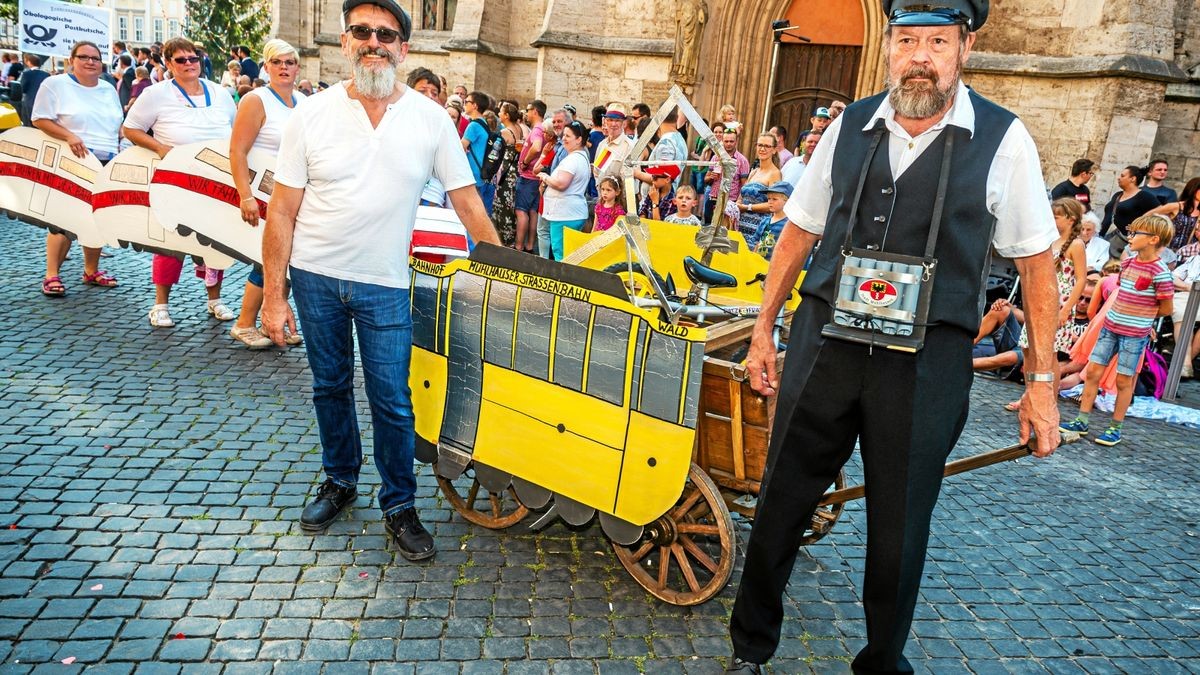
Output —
(909, 188)
(348, 180)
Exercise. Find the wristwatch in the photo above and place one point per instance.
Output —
(1039, 377)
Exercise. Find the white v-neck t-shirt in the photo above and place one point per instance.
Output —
(362, 185)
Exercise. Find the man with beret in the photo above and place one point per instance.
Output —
(348, 181)
(930, 171)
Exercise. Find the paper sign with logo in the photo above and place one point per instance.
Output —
(51, 28)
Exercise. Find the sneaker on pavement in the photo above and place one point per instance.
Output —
(250, 337)
(409, 535)
(1078, 426)
(220, 311)
(330, 501)
(160, 317)
(1110, 437)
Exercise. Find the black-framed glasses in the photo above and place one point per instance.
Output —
(186, 59)
(89, 59)
(386, 36)
(1134, 233)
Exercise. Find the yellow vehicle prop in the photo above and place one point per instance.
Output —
(548, 373)
(8, 117)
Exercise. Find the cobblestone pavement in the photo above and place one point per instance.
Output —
(150, 483)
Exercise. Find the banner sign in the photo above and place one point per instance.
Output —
(51, 28)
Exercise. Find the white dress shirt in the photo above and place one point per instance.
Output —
(1016, 195)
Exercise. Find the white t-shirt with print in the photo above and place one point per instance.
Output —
(362, 185)
(91, 113)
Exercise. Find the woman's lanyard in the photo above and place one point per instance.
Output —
(188, 98)
(279, 98)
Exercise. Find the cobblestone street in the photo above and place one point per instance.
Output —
(151, 481)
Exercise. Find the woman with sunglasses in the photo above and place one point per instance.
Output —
(184, 109)
(85, 113)
(566, 188)
(752, 202)
(261, 116)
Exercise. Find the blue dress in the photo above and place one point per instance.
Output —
(749, 222)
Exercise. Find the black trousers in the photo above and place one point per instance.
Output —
(906, 411)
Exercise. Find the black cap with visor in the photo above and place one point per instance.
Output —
(969, 13)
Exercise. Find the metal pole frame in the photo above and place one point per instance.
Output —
(630, 224)
(1183, 346)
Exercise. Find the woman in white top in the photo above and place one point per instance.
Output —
(85, 113)
(184, 109)
(565, 198)
(261, 116)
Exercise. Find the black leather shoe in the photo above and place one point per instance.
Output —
(744, 668)
(331, 499)
(409, 535)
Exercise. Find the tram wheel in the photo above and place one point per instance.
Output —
(824, 517)
(685, 556)
(493, 510)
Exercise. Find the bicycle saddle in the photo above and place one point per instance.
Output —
(700, 274)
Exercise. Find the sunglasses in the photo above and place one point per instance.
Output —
(186, 59)
(282, 62)
(89, 59)
(764, 146)
(386, 36)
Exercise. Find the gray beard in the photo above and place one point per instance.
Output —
(377, 84)
(921, 103)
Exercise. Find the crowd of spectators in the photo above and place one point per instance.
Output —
(1125, 271)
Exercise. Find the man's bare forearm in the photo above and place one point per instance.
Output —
(469, 208)
(787, 261)
(1039, 290)
(277, 251)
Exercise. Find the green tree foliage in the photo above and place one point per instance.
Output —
(8, 9)
(220, 25)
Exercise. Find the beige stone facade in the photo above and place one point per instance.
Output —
(1117, 81)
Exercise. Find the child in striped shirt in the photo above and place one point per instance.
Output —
(1145, 293)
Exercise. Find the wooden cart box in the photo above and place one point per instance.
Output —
(735, 422)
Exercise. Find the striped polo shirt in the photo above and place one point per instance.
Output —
(1143, 286)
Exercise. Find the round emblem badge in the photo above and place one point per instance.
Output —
(877, 292)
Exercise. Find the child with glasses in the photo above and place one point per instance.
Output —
(1144, 294)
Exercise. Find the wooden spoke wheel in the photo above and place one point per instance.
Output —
(825, 516)
(685, 556)
(477, 504)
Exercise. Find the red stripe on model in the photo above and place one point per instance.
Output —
(205, 186)
(439, 239)
(50, 180)
(103, 200)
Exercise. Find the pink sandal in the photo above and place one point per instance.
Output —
(53, 287)
(100, 278)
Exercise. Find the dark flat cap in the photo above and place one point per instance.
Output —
(391, 7)
(971, 13)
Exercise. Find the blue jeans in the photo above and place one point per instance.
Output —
(1128, 351)
(332, 312)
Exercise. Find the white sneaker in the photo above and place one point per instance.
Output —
(1187, 370)
(220, 311)
(250, 337)
(160, 317)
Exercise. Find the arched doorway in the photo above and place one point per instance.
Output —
(812, 74)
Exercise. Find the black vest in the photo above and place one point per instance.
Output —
(902, 210)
